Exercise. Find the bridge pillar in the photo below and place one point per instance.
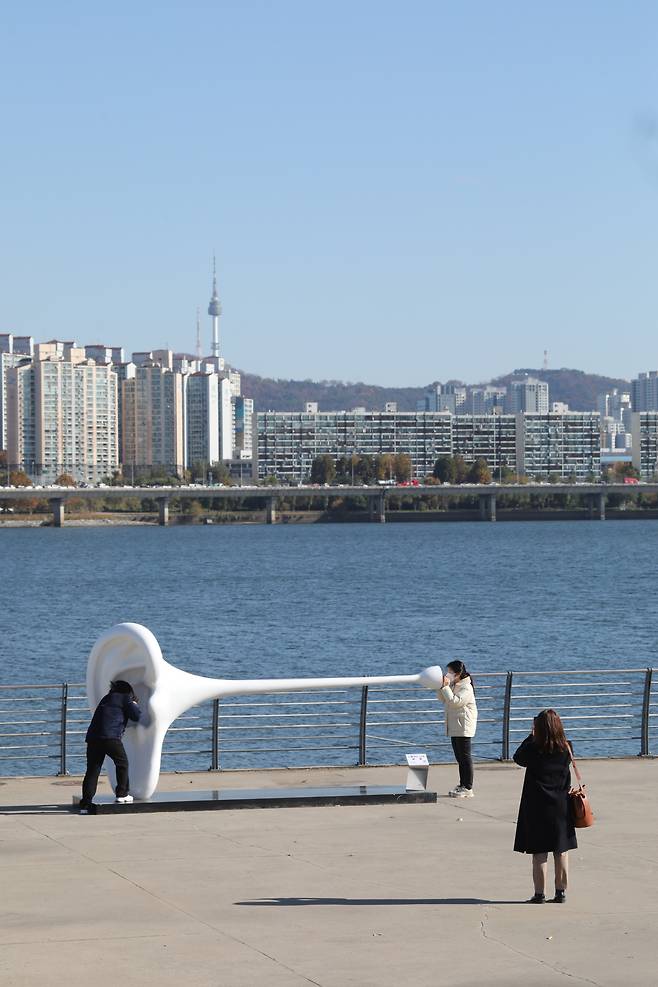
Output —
(378, 508)
(163, 511)
(488, 507)
(602, 502)
(270, 510)
(57, 505)
(597, 504)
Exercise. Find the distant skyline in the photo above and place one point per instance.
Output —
(394, 194)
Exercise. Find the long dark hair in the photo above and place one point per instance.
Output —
(549, 733)
(461, 671)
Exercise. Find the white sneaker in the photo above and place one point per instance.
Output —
(462, 793)
(124, 799)
(454, 792)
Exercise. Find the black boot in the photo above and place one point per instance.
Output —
(560, 897)
(537, 899)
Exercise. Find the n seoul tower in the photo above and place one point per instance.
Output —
(214, 311)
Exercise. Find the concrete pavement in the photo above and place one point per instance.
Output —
(373, 895)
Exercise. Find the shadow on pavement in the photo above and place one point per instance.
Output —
(378, 901)
(31, 810)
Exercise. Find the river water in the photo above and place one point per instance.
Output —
(332, 599)
(253, 600)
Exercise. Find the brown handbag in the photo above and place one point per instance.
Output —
(581, 810)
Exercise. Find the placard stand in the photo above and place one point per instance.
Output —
(418, 772)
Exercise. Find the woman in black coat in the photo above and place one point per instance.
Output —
(544, 824)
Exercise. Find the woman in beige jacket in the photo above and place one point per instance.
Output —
(458, 697)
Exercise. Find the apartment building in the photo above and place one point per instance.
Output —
(154, 420)
(488, 437)
(62, 416)
(644, 391)
(13, 350)
(288, 442)
(535, 445)
(568, 445)
(527, 395)
(644, 428)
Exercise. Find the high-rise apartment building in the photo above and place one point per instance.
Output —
(615, 404)
(644, 427)
(243, 428)
(104, 354)
(535, 445)
(226, 418)
(488, 400)
(22, 345)
(13, 350)
(488, 437)
(567, 445)
(21, 415)
(62, 417)
(288, 442)
(202, 403)
(444, 397)
(154, 420)
(123, 371)
(58, 349)
(644, 391)
(529, 395)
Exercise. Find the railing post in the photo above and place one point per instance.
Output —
(214, 756)
(646, 705)
(507, 705)
(363, 720)
(62, 729)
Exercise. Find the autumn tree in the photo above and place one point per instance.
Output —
(65, 480)
(461, 469)
(323, 469)
(479, 472)
(622, 470)
(18, 478)
(403, 467)
(385, 466)
(220, 473)
(445, 470)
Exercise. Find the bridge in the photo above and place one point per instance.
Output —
(594, 494)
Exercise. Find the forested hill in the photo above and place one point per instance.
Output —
(576, 388)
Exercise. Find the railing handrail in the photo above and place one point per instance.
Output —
(375, 719)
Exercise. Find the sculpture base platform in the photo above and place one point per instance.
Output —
(260, 798)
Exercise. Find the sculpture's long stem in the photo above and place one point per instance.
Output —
(251, 687)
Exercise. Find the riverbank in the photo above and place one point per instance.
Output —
(319, 517)
(369, 896)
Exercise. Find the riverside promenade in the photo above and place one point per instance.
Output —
(420, 895)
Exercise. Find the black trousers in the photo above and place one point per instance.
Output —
(462, 748)
(97, 751)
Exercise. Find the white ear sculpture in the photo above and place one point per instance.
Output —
(131, 652)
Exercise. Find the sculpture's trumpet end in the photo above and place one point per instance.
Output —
(432, 677)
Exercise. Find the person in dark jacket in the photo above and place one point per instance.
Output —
(106, 729)
(544, 823)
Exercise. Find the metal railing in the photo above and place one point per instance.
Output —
(606, 713)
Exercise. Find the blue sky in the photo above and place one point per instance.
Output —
(396, 193)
